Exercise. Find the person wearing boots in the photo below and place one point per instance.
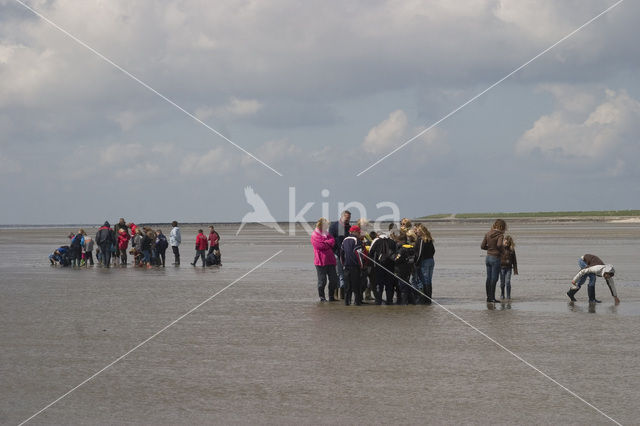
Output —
(174, 240)
(492, 243)
(351, 258)
(592, 266)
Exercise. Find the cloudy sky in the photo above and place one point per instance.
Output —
(318, 91)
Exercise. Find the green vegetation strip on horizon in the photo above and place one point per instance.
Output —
(594, 213)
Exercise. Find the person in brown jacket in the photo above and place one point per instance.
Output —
(492, 243)
(508, 265)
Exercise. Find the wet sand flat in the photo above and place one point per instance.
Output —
(266, 351)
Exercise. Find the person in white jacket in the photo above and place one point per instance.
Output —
(174, 241)
(592, 266)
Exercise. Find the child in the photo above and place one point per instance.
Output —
(201, 247)
(508, 263)
(123, 244)
(88, 250)
(161, 246)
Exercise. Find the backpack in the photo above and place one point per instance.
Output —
(405, 255)
(76, 242)
(385, 256)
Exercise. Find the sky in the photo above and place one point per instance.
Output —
(318, 91)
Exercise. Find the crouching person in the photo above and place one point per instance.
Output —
(351, 258)
(591, 267)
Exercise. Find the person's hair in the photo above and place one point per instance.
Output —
(211, 227)
(321, 222)
(138, 231)
(405, 223)
(373, 235)
(174, 223)
(121, 219)
(500, 225)
(363, 223)
(159, 231)
(508, 242)
(400, 237)
(411, 235)
(199, 231)
(81, 232)
(423, 232)
(345, 212)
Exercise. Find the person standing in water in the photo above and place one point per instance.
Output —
(105, 239)
(174, 240)
(351, 258)
(508, 265)
(201, 247)
(590, 267)
(324, 259)
(492, 243)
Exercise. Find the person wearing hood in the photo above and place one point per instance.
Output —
(493, 243)
(590, 267)
(105, 239)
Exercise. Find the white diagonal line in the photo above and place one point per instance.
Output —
(492, 86)
(500, 345)
(172, 323)
(142, 83)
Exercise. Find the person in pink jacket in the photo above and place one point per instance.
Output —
(324, 259)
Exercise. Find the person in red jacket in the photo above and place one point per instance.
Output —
(201, 247)
(123, 243)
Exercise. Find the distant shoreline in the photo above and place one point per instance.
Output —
(628, 216)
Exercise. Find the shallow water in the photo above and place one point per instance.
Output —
(265, 351)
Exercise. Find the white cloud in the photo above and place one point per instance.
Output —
(395, 130)
(386, 135)
(605, 131)
(216, 161)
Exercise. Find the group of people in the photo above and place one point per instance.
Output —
(501, 262)
(146, 246)
(363, 266)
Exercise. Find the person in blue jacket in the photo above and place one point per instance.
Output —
(351, 258)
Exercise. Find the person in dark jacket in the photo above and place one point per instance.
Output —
(161, 246)
(75, 248)
(508, 265)
(147, 245)
(492, 243)
(424, 252)
(105, 239)
(339, 231)
(381, 254)
(351, 258)
(404, 259)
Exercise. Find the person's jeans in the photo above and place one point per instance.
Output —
(176, 254)
(105, 250)
(199, 253)
(161, 257)
(146, 256)
(88, 256)
(340, 271)
(592, 277)
(505, 281)
(493, 271)
(323, 272)
(423, 275)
